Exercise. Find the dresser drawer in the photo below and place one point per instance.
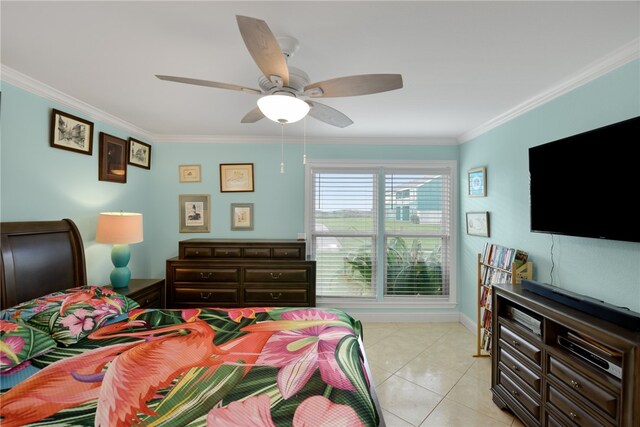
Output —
(206, 296)
(275, 296)
(197, 252)
(287, 253)
(520, 344)
(519, 394)
(583, 386)
(209, 275)
(572, 411)
(256, 252)
(509, 361)
(276, 275)
(227, 252)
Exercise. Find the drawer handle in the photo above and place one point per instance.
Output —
(575, 384)
(226, 252)
(515, 343)
(515, 393)
(147, 301)
(286, 253)
(515, 368)
(206, 275)
(573, 416)
(205, 296)
(275, 296)
(275, 276)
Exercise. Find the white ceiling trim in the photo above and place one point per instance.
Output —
(36, 87)
(619, 57)
(221, 139)
(616, 59)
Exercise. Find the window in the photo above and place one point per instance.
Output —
(381, 232)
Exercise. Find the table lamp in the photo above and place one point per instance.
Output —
(120, 229)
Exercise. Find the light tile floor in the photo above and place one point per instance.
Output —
(425, 375)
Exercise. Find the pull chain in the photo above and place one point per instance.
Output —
(304, 142)
(282, 148)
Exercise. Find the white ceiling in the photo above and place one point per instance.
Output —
(464, 64)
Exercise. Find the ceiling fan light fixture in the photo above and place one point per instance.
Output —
(283, 108)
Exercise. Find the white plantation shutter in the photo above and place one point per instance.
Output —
(392, 219)
(417, 230)
(343, 229)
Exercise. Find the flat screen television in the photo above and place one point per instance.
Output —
(588, 184)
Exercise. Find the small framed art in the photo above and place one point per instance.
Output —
(71, 133)
(242, 216)
(194, 211)
(189, 173)
(139, 154)
(477, 182)
(478, 224)
(236, 177)
(112, 164)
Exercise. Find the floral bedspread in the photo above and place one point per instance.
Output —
(201, 367)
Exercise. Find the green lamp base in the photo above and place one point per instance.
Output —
(120, 256)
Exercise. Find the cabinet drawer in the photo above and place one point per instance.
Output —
(210, 297)
(197, 252)
(228, 252)
(149, 299)
(518, 393)
(207, 275)
(256, 252)
(275, 275)
(583, 386)
(273, 296)
(520, 344)
(288, 253)
(506, 359)
(571, 411)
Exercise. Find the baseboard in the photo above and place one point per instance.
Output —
(468, 323)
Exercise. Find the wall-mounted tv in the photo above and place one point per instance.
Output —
(588, 185)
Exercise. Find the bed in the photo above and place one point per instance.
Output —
(74, 354)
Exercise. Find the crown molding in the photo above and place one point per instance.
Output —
(36, 87)
(625, 54)
(236, 139)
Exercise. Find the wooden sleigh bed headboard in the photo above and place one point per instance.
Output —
(39, 257)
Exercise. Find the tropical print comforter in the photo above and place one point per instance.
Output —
(201, 367)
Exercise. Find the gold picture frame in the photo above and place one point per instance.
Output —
(189, 173)
(195, 213)
(236, 177)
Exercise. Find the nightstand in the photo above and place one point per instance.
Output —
(149, 293)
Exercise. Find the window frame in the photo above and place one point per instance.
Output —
(380, 299)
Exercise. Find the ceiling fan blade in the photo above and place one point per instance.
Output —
(364, 84)
(329, 115)
(253, 116)
(208, 83)
(264, 49)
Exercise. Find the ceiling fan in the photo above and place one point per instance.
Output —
(290, 85)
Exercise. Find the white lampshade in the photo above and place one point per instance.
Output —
(119, 228)
(283, 108)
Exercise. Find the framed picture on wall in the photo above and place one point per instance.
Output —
(112, 164)
(242, 216)
(195, 214)
(71, 133)
(139, 154)
(477, 182)
(189, 173)
(478, 224)
(236, 177)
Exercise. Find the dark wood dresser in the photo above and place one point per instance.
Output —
(537, 370)
(240, 273)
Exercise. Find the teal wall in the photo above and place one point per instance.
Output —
(607, 270)
(42, 183)
(39, 182)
